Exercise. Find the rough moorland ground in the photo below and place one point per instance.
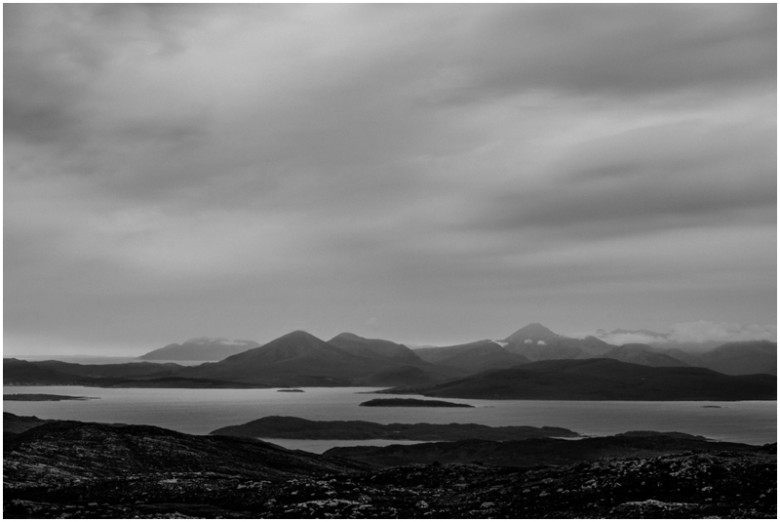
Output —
(85, 470)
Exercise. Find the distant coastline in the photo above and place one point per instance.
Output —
(39, 397)
(413, 403)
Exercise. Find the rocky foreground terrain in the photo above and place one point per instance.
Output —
(86, 470)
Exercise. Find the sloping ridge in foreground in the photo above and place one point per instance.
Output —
(64, 452)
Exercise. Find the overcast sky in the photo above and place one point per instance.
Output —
(424, 173)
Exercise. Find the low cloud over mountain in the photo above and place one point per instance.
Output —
(705, 333)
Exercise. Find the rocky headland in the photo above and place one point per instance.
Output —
(278, 427)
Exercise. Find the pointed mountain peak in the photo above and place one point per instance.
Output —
(534, 332)
(293, 344)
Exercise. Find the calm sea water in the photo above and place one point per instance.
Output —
(201, 411)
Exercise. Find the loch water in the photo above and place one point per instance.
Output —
(199, 411)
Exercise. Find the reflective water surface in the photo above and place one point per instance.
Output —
(199, 411)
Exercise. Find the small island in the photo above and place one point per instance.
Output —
(290, 390)
(417, 403)
(43, 397)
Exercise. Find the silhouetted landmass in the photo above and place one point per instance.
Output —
(66, 469)
(606, 379)
(301, 359)
(19, 372)
(278, 427)
(129, 375)
(742, 358)
(133, 370)
(643, 354)
(534, 452)
(536, 342)
(380, 348)
(294, 360)
(18, 424)
(472, 357)
(675, 434)
(178, 382)
(290, 390)
(414, 403)
(83, 451)
(732, 358)
(200, 349)
(38, 397)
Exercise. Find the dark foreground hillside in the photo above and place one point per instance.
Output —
(86, 470)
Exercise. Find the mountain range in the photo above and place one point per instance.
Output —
(605, 379)
(476, 356)
(301, 359)
(534, 342)
(200, 349)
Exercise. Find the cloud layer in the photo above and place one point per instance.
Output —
(696, 332)
(422, 172)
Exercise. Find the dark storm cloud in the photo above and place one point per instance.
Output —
(421, 169)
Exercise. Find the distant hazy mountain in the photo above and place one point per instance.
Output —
(361, 346)
(533, 332)
(472, 357)
(606, 379)
(538, 343)
(742, 358)
(737, 358)
(301, 359)
(200, 349)
(21, 373)
(18, 372)
(643, 354)
(693, 337)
